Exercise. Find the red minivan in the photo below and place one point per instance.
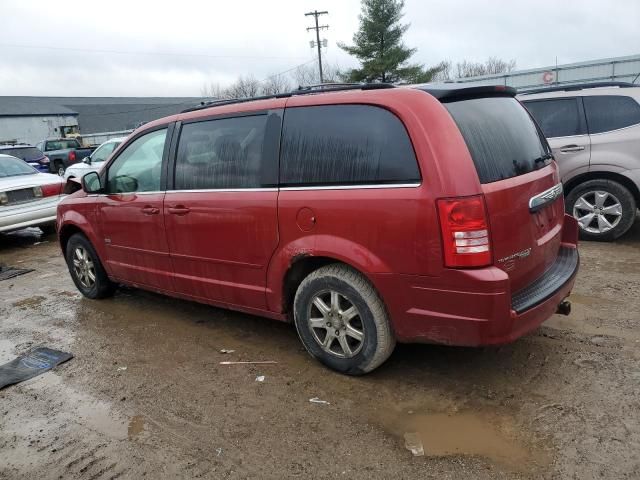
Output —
(364, 214)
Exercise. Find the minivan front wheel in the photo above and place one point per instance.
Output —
(86, 270)
(342, 320)
(605, 209)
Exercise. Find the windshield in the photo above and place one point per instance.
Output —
(501, 137)
(25, 153)
(62, 144)
(12, 167)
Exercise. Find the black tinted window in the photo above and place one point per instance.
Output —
(610, 113)
(345, 144)
(501, 137)
(557, 118)
(225, 153)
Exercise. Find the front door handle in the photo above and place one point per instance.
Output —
(149, 210)
(571, 148)
(179, 210)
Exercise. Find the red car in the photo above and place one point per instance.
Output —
(364, 214)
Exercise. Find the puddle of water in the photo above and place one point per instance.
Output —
(136, 426)
(470, 433)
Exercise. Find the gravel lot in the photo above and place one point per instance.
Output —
(146, 395)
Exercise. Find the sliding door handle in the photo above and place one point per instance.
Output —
(179, 210)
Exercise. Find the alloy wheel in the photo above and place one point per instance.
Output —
(83, 267)
(336, 324)
(597, 211)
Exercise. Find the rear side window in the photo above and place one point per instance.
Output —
(224, 153)
(557, 118)
(345, 145)
(606, 113)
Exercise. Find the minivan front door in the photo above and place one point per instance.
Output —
(221, 214)
(130, 214)
(563, 122)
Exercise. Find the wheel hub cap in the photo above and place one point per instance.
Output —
(83, 267)
(598, 211)
(336, 324)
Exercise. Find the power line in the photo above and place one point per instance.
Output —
(123, 52)
(317, 28)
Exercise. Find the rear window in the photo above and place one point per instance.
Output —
(25, 153)
(345, 145)
(62, 145)
(557, 118)
(501, 136)
(606, 113)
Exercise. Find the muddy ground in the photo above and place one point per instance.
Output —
(145, 395)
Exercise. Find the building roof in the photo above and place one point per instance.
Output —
(32, 106)
(99, 114)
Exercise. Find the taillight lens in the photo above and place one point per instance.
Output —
(72, 156)
(48, 190)
(44, 161)
(465, 232)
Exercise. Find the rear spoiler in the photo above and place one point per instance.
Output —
(452, 92)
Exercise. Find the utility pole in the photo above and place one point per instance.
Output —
(317, 28)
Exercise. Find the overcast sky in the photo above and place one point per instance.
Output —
(157, 48)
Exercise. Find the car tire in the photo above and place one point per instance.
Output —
(48, 229)
(59, 168)
(352, 342)
(86, 270)
(605, 209)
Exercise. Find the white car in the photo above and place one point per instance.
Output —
(28, 198)
(93, 162)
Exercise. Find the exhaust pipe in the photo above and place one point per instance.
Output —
(564, 307)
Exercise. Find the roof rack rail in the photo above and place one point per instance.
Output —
(576, 86)
(302, 90)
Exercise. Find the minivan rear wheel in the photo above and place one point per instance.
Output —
(342, 321)
(86, 269)
(605, 209)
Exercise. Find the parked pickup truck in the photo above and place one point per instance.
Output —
(63, 152)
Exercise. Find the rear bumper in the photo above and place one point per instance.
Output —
(476, 307)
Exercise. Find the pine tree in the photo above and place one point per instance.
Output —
(379, 47)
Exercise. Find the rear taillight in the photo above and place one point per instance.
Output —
(465, 232)
(48, 190)
(44, 161)
(72, 156)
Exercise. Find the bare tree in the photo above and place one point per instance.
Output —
(244, 87)
(213, 90)
(306, 75)
(276, 84)
(491, 66)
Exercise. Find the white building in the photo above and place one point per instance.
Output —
(29, 119)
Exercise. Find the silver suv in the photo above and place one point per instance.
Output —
(594, 131)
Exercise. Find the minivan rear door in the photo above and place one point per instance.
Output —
(520, 183)
(563, 123)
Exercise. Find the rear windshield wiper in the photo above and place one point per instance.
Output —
(543, 158)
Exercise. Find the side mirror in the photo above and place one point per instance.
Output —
(87, 160)
(91, 183)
